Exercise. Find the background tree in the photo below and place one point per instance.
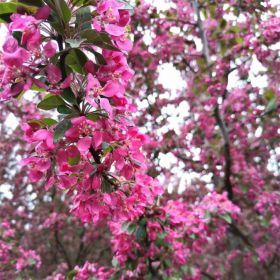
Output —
(90, 206)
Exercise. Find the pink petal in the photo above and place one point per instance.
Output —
(111, 88)
(92, 83)
(105, 104)
(43, 13)
(84, 144)
(49, 183)
(114, 29)
(16, 58)
(124, 44)
(54, 74)
(96, 182)
(97, 139)
(50, 49)
(35, 175)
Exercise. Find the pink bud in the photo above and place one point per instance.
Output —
(50, 49)
(43, 13)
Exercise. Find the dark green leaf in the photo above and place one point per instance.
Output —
(141, 233)
(131, 228)
(76, 60)
(100, 39)
(223, 23)
(63, 109)
(50, 102)
(82, 2)
(68, 95)
(37, 3)
(106, 186)
(55, 20)
(83, 19)
(63, 10)
(61, 129)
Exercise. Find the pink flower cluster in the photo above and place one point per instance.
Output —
(98, 160)
(10, 251)
(176, 229)
(271, 30)
(20, 58)
(91, 270)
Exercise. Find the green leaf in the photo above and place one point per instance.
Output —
(71, 274)
(269, 94)
(207, 215)
(43, 123)
(50, 102)
(68, 96)
(100, 39)
(63, 109)
(76, 60)
(272, 105)
(223, 47)
(48, 122)
(244, 188)
(141, 233)
(106, 186)
(266, 219)
(83, 19)
(38, 89)
(131, 228)
(6, 9)
(75, 43)
(60, 130)
(81, 2)
(234, 29)
(92, 117)
(239, 40)
(227, 218)
(106, 149)
(74, 160)
(223, 23)
(160, 240)
(63, 10)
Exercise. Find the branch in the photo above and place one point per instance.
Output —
(217, 113)
(95, 155)
(227, 155)
(60, 245)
